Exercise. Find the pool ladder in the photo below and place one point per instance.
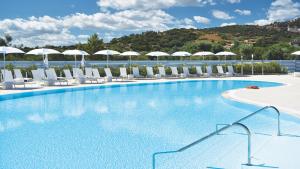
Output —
(218, 130)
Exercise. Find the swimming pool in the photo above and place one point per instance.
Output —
(119, 127)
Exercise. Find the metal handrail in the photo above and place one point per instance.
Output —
(238, 123)
(206, 137)
(254, 113)
(264, 108)
(220, 124)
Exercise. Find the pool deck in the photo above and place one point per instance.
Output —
(285, 97)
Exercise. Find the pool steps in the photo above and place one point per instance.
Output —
(219, 130)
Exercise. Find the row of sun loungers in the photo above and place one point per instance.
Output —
(186, 73)
(49, 77)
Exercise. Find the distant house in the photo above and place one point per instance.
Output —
(294, 29)
(228, 45)
(249, 41)
(295, 42)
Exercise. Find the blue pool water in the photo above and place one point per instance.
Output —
(119, 127)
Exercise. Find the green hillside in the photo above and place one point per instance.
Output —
(272, 41)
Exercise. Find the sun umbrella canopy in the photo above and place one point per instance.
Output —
(225, 54)
(130, 53)
(42, 51)
(75, 52)
(107, 52)
(296, 53)
(181, 53)
(157, 54)
(204, 53)
(7, 50)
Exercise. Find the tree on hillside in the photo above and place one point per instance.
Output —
(258, 53)
(6, 40)
(275, 54)
(217, 48)
(94, 44)
(194, 47)
(246, 51)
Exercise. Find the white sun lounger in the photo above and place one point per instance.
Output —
(52, 78)
(108, 72)
(209, 71)
(8, 78)
(96, 75)
(37, 76)
(18, 75)
(123, 73)
(68, 74)
(78, 75)
(199, 71)
(186, 72)
(89, 75)
(150, 73)
(231, 71)
(42, 73)
(220, 71)
(109, 75)
(162, 71)
(174, 71)
(136, 72)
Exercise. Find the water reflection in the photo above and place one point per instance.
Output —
(10, 124)
(198, 100)
(42, 118)
(220, 84)
(152, 104)
(101, 109)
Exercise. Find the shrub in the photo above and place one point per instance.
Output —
(268, 68)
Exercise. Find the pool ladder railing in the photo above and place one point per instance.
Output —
(218, 130)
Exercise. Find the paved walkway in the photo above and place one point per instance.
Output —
(286, 97)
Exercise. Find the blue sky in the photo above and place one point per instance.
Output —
(64, 22)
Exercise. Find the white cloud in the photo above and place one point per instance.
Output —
(40, 31)
(134, 20)
(201, 19)
(146, 4)
(243, 12)
(260, 22)
(184, 23)
(234, 1)
(280, 10)
(221, 15)
(228, 24)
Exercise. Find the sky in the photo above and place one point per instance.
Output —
(65, 22)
